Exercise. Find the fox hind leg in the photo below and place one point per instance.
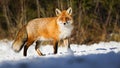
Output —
(37, 48)
(25, 50)
(27, 45)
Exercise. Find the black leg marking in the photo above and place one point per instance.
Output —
(69, 43)
(25, 50)
(55, 47)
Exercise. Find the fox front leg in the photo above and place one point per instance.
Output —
(67, 42)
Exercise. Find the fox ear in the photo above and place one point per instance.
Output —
(57, 11)
(69, 11)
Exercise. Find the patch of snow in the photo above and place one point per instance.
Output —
(98, 55)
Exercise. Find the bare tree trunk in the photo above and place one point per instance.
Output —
(69, 3)
(38, 8)
(116, 27)
(79, 21)
(97, 4)
(61, 4)
(23, 13)
(58, 2)
(5, 11)
(108, 18)
(21, 16)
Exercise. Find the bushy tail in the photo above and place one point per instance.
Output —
(20, 40)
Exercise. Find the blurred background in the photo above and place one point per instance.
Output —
(94, 20)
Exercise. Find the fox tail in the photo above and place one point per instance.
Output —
(20, 40)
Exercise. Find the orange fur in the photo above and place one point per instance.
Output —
(43, 27)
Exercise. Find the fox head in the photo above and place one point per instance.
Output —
(64, 17)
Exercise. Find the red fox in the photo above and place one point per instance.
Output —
(45, 29)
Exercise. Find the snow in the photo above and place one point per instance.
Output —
(101, 55)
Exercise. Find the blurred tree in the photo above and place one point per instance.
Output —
(38, 8)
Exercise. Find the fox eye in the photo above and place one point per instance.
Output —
(67, 18)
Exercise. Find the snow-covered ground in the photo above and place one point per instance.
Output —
(101, 55)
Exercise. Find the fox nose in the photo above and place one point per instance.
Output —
(64, 23)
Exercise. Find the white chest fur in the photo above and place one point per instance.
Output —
(65, 30)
